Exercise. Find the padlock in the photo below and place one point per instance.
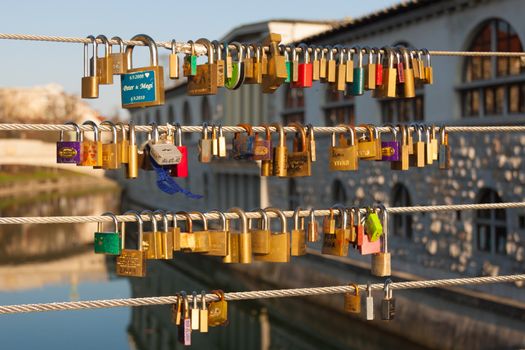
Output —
(267, 164)
(315, 63)
(311, 142)
(186, 236)
(358, 227)
(381, 262)
(388, 304)
(194, 312)
(329, 223)
(221, 142)
(295, 64)
(203, 314)
(434, 142)
(349, 76)
(108, 242)
(131, 262)
(369, 303)
(237, 78)
(358, 84)
(304, 70)
(415, 63)
(365, 246)
(232, 246)
(280, 153)
(152, 244)
(428, 145)
(163, 150)
(331, 66)
(279, 242)
(340, 76)
(417, 159)
(245, 237)
(389, 76)
(276, 67)
(313, 227)
(92, 150)
(110, 151)
(243, 143)
(218, 310)
(257, 66)
(322, 65)
(444, 150)
(248, 63)
(176, 310)
(288, 63)
(90, 78)
(367, 146)
(409, 89)
(123, 144)
(219, 237)
(379, 67)
(429, 75)
(373, 226)
(144, 86)
(205, 145)
(133, 162)
(202, 237)
(165, 237)
(403, 163)
(189, 66)
(205, 81)
(174, 68)
(298, 161)
(298, 245)
(369, 70)
(175, 231)
(400, 66)
(261, 234)
(70, 151)
(337, 243)
(184, 328)
(105, 64)
(220, 63)
(118, 59)
(228, 61)
(262, 149)
(181, 169)
(344, 157)
(390, 149)
(353, 300)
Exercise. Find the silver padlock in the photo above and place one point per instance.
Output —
(369, 303)
(205, 145)
(163, 152)
(388, 304)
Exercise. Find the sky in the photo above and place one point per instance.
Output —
(26, 64)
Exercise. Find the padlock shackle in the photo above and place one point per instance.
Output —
(359, 52)
(164, 216)
(122, 130)
(87, 70)
(357, 212)
(140, 226)
(404, 134)
(306, 53)
(406, 56)
(209, 48)
(342, 212)
(203, 300)
(393, 130)
(263, 220)
(154, 133)
(95, 129)
(222, 218)
(189, 221)
(202, 218)
(114, 134)
(107, 45)
(356, 288)
(296, 219)
(391, 56)
(240, 50)
(148, 41)
(115, 222)
(282, 134)
(427, 54)
(300, 130)
(268, 132)
(204, 131)
(367, 50)
(418, 130)
(79, 137)
(120, 43)
(178, 137)
(384, 214)
(281, 215)
(174, 218)
(378, 55)
(243, 219)
(132, 135)
(152, 219)
(217, 49)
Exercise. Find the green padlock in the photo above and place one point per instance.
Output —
(237, 78)
(373, 226)
(108, 242)
(288, 64)
(190, 61)
(358, 84)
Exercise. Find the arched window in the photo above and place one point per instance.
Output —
(339, 108)
(186, 119)
(338, 192)
(490, 85)
(491, 225)
(402, 222)
(293, 105)
(293, 194)
(403, 110)
(205, 109)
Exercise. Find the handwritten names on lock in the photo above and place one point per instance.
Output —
(138, 87)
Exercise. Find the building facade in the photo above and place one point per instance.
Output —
(466, 91)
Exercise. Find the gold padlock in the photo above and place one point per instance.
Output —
(381, 261)
(337, 243)
(298, 245)
(90, 79)
(279, 242)
(344, 156)
(151, 238)
(202, 237)
(261, 234)
(280, 153)
(105, 64)
(119, 60)
(132, 262)
(92, 149)
(298, 162)
(110, 151)
(353, 301)
(187, 238)
(367, 147)
(245, 237)
(165, 237)
(175, 231)
(219, 237)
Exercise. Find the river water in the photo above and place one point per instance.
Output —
(53, 263)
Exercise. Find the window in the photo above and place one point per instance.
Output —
(491, 225)
(186, 119)
(403, 110)
(338, 193)
(293, 105)
(402, 222)
(339, 108)
(294, 198)
(493, 86)
(205, 110)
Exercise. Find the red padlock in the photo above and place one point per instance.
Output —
(305, 74)
(400, 68)
(359, 227)
(379, 67)
(181, 169)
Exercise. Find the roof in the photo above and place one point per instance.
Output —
(379, 15)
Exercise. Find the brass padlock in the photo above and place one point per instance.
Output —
(330, 66)
(344, 156)
(329, 223)
(267, 164)
(245, 238)
(131, 262)
(205, 81)
(119, 59)
(232, 246)
(349, 76)
(105, 64)
(428, 145)
(389, 76)
(110, 151)
(280, 153)
(381, 261)
(409, 89)
(298, 245)
(165, 237)
(261, 234)
(187, 238)
(218, 310)
(175, 231)
(444, 158)
(315, 63)
(133, 161)
(219, 237)
(90, 79)
(279, 242)
(221, 64)
(403, 163)
(340, 76)
(276, 72)
(353, 300)
(174, 65)
(367, 147)
(338, 243)
(370, 70)
(123, 144)
(298, 161)
(417, 159)
(151, 238)
(92, 149)
(429, 75)
(311, 142)
(202, 237)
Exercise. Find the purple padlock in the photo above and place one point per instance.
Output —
(69, 151)
(390, 149)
